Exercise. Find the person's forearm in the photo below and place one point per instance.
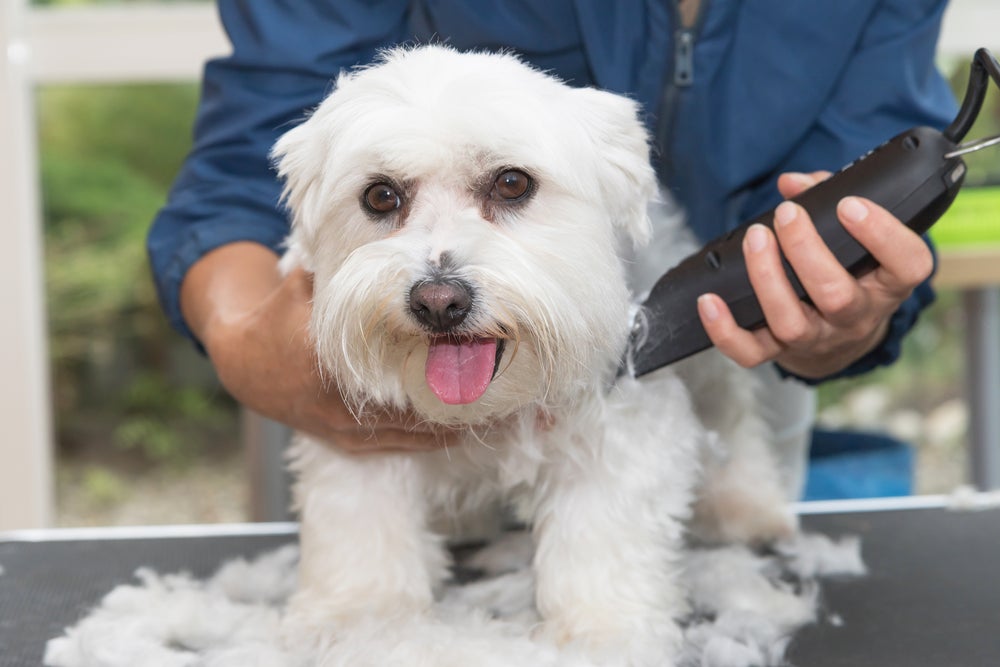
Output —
(226, 284)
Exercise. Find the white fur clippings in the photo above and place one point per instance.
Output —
(742, 613)
(969, 499)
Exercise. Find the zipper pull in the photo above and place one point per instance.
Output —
(684, 58)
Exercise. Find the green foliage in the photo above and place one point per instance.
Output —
(108, 156)
(165, 422)
(96, 272)
(103, 486)
(974, 219)
(144, 127)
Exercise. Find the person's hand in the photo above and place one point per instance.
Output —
(849, 316)
(254, 326)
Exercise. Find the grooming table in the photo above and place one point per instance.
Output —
(931, 598)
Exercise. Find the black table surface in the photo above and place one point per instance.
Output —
(931, 597)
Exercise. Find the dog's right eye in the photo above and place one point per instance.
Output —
(381, 198)
(512, 185)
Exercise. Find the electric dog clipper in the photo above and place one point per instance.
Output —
(915, 176)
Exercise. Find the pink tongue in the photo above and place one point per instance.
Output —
(458, 371)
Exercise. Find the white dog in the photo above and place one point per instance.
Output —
(470, 224)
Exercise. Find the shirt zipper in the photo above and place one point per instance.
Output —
(684, 58)
(681, 76)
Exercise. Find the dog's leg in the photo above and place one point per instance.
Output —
(365, 548)
(742, 496)
(609, 525)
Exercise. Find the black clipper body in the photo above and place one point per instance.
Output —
(915, 175)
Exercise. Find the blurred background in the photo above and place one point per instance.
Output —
(143, 433)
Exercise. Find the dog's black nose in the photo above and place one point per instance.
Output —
(440, 304)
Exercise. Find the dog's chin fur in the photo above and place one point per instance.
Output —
(605, 477)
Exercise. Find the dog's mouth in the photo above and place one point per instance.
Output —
(459, 369)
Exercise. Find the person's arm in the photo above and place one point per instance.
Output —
(888, 84)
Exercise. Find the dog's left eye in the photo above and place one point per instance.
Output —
(511, 185)
(382, 198)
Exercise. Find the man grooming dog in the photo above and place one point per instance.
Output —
(215, 245)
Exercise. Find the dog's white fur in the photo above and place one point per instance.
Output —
(606, 478)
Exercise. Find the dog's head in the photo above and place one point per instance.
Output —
(463, 216)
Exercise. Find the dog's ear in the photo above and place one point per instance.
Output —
(626, 178)
(298, 157)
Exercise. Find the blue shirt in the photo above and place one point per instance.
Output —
(754, 89)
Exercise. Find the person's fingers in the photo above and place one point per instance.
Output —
(834, 292)
(790, 320)
(904, 259)
(747, 348)
(792, 184)
(395, 419)
(331, 409)
(385, 440)
(375, 430)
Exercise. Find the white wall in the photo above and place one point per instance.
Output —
(25, 431)
(969, 25)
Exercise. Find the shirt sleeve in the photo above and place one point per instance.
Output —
(889, 84)
(285, 55)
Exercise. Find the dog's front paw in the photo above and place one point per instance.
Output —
(307, 623)
(612, 644)
(311, 621)
(731, 508)
(304, 629)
